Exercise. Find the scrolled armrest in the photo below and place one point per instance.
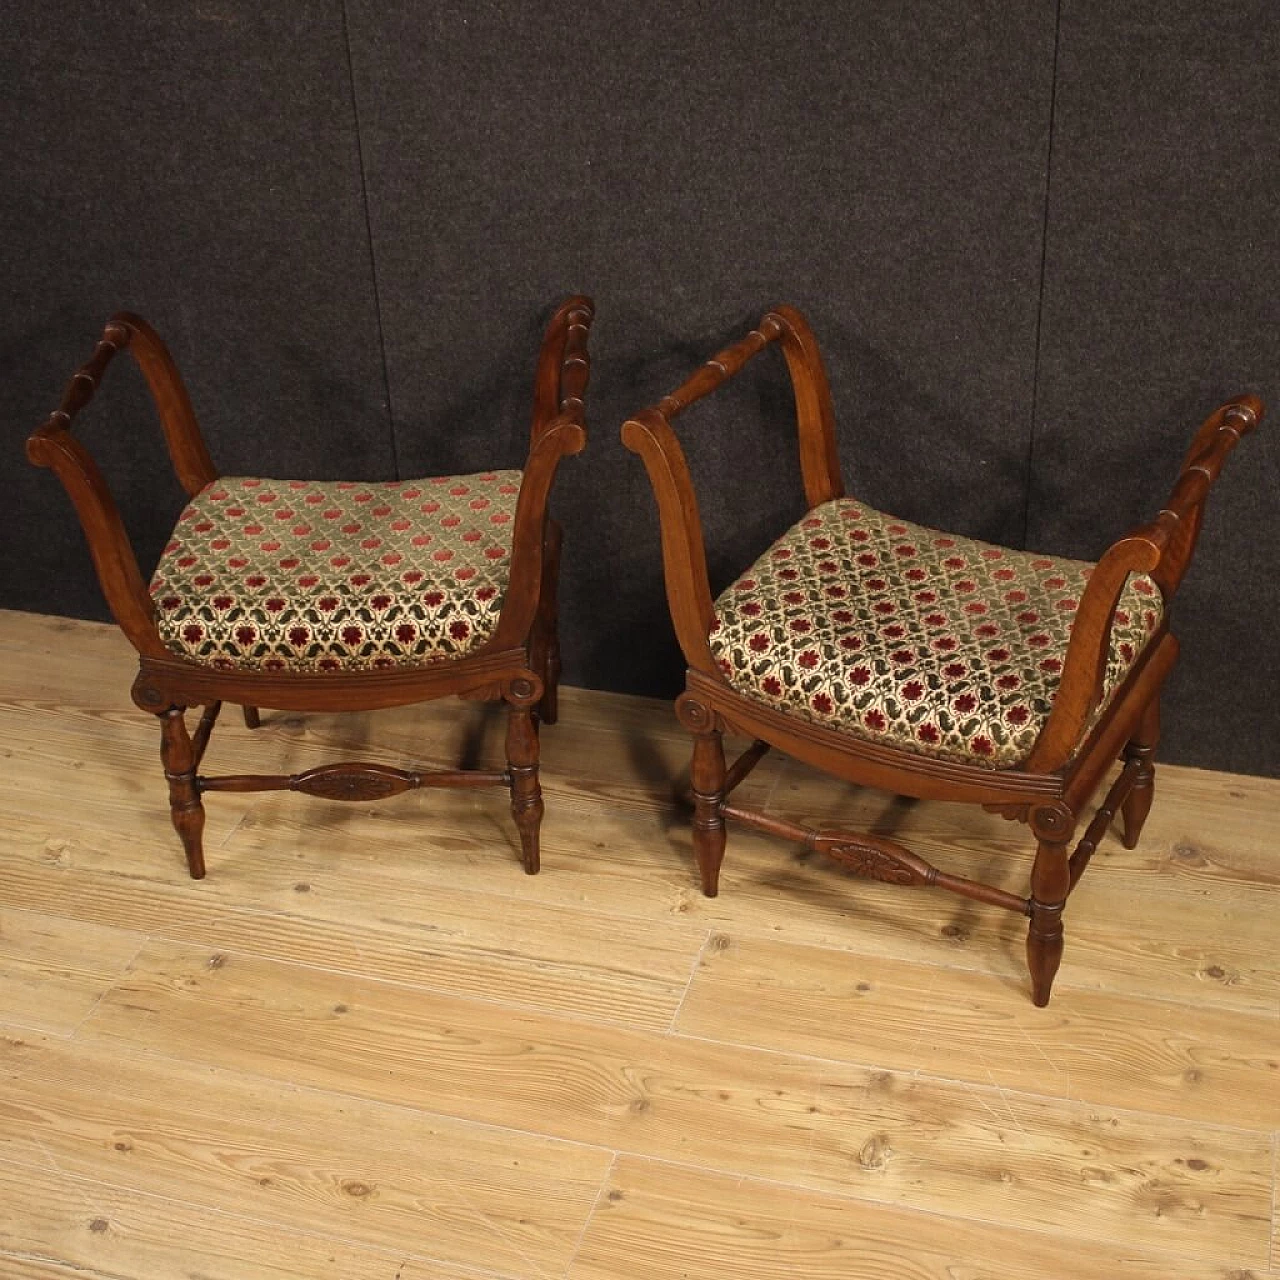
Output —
(559, 430)
(815, 417)
(191, 462)
(52, 445)
(1162, 549)
(1085, 662)
(650, 435)
(684, 556)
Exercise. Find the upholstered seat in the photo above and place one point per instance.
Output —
(922, 663)
(303, 575)
(930, 642)
(335, 596)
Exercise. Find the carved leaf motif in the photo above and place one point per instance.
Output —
(871, 863)
(875, 861)
(368, 783)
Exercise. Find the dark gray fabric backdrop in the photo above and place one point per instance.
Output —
(1037, 241)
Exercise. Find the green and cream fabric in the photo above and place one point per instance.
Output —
(301, 575)
(932, 643)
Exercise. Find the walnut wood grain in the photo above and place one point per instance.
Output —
(1162, 549)
(741, 768)
(523, 648)
(200, 738)
(874, 857)
(522, 695)
(1140, 753)
(354, 780)
(177, 754)
(1076, 746)
(1115, 799)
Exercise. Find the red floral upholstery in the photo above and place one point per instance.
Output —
(303, 575)
(933, 643)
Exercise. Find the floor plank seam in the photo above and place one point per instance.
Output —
(32, 1029)
(292, 1227)
(239, 822)
(582, 1019)
(591, 1213)
(783, 770)
(843, 1194)
(402, 985)
(929, 1077)
(675, 1033)
(339, 1095)
(976, 966)
(1275, 1201)
(693, 972)
(111, 986)
(563, 1004)
(1178, 1249)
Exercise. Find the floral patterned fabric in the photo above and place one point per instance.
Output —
(302, 575)
(925, 641)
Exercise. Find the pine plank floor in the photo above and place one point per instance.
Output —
(368, 1047)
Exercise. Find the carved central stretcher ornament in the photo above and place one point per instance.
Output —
(922, 662)
(335, 596)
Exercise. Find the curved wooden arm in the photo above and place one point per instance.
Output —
(684, 556)
(1085, 663)
(815, 417)
(1162, 549)
(650, 435)
(559, 429)
(191, 462)
(52, 445)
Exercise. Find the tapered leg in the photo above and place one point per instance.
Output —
(178, 756)
(251, 720)
(1142, 748)
(1050, 883)
(706, 775)
(526, 793)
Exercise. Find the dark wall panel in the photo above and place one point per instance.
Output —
(881, 165)
(199, 165)
(223, 169)
(1161, 288)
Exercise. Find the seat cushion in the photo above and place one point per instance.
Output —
(304, 575)
(933, 643)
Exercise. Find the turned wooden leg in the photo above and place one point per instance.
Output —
(177, 752)
(707, 783)
(251, 720)
(1053, 825)
(522, 764)
(1142, 748)
(706, 775)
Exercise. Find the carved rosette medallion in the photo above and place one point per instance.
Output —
(368, 783)
(523, 690)
(876, 860)
(694, 715)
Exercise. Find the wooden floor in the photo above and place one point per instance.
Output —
(369, 1047)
